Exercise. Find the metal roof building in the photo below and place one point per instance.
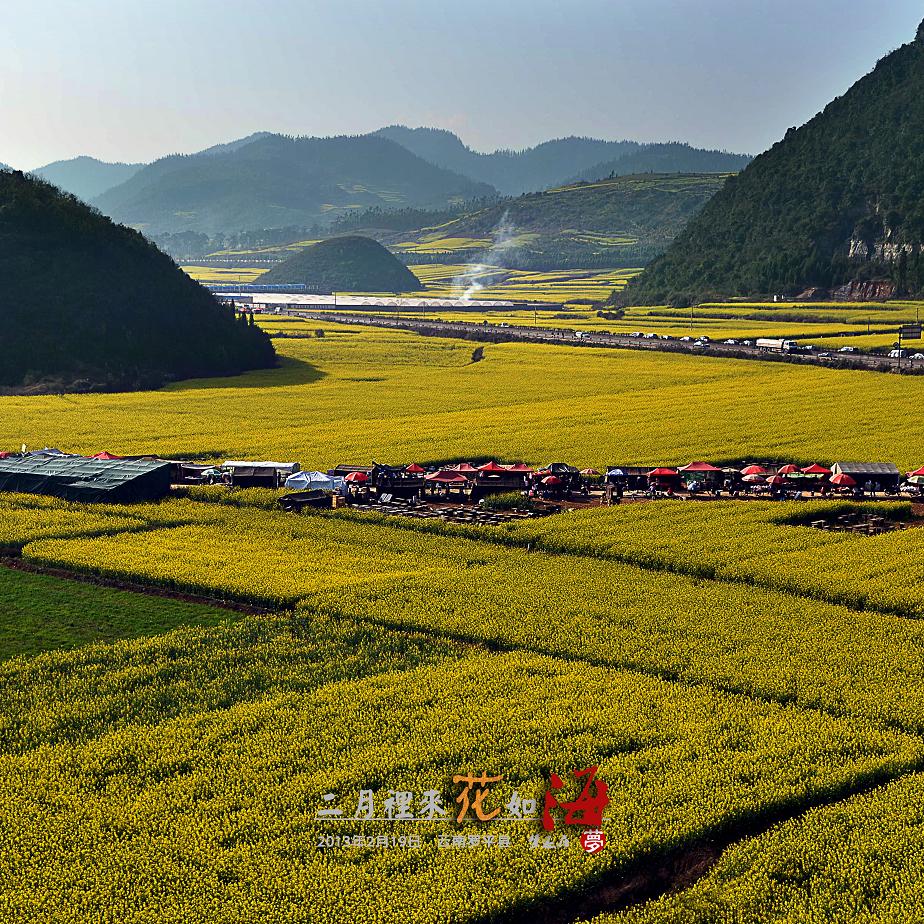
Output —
(76, 478)
(885, 473)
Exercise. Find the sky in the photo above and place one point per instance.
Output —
(132, 81)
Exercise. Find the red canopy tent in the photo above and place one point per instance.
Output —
(843, 481)
(461, 467)
(493, 468)
(789, 470)
(106, 456)
(415, 469)
(920, 471)
(754, 470)
(776, 479)
(589, 471)
(357, 477)
(552, 480)
(520, 467)
(816, 469)
(700, 467)
(662, 473)
(446, 477)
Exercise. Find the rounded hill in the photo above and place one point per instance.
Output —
(89, 305)
(345, 264)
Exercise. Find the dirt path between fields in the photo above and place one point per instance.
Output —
(151, 590)
(673, 871)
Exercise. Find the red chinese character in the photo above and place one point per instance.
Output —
(593, 840)
(587, 809)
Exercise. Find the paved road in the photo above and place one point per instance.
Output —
(496, 333)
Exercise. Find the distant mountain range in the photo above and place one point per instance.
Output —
(510, 172)
(557, 162)
(273, 181)
(86, 177)
(276, 181)
(838, 202)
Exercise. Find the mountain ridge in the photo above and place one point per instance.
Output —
(835, 202)
(278, 181)
(84, 176)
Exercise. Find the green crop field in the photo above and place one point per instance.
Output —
(40, 613)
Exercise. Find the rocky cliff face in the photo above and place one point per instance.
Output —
(881, 250)
(872, 291)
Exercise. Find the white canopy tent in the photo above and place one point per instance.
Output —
(311, 481)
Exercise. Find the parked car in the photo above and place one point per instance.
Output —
(847, 349)
(731, 342)
(687, 339)
(824, 355)
(749, 343)
(636, 333)
(651, 336)
(897, 354)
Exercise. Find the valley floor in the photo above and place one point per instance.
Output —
(750, 689)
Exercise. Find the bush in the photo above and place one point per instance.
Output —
(512, 500)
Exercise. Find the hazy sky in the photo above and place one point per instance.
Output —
(136, 79)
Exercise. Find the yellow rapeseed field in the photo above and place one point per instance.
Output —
(358, 394)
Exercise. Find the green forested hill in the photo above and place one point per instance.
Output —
(88, 304)
(622, 221)
(86, 177)
(275, 181)
(345, 264)
(672, 157)
(837, 200)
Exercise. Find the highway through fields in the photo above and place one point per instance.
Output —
(497, 333)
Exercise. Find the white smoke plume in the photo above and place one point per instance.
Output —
(503, 239)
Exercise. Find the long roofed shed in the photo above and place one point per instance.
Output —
(76, 478)
(885, 473)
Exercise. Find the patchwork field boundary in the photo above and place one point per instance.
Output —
(854, 602)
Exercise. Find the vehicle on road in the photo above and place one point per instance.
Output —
(847, 349)
(776, 345)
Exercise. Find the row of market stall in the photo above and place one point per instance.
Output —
(873, 477)
(106, 476)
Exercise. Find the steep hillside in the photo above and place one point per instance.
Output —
(275, 182)
(88, 304)
(345, 264)
(673, 157)
(86, 177)
(836, 201)
(624, 221)
(511, 172)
